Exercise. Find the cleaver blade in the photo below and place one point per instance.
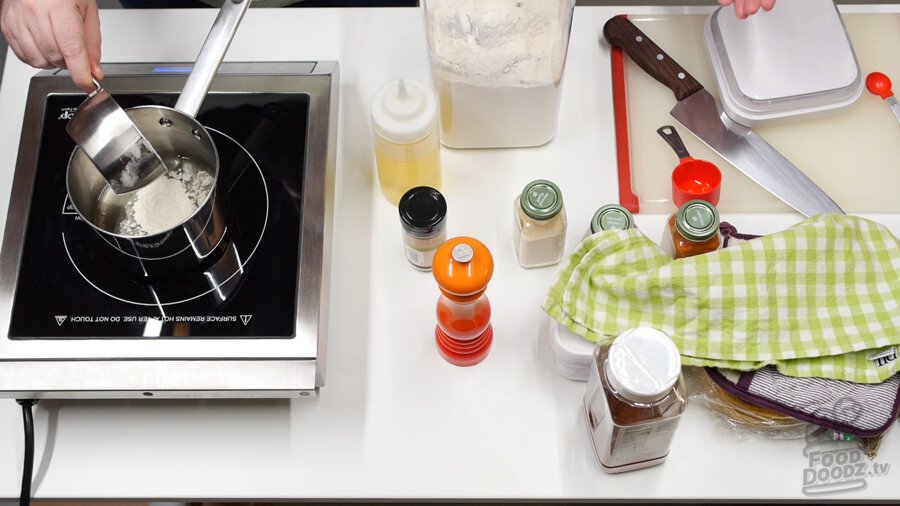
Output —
(700, 112)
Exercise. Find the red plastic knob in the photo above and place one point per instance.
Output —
(879, 84)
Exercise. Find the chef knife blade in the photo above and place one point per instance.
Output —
(700, 113)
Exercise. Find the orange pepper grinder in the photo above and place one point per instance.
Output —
(462, 267)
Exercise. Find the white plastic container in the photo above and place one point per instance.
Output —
(572, 354)
(792, 62)
(406, 137)
(498, 66)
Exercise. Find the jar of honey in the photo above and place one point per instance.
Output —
(462, 267)
(692, 230)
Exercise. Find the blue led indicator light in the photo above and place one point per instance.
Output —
(172, 70)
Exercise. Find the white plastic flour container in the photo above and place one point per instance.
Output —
(497, 66)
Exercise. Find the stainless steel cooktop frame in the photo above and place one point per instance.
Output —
(184, 368)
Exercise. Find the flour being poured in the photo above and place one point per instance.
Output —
(138, 161)
(166, 202)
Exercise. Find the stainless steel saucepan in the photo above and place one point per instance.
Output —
(186, 148)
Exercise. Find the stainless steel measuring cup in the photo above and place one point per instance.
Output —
(124, 157)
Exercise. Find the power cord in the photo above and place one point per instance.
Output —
(28, 466)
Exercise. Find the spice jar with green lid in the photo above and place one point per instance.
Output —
(692, 230)
(611, 217)
(540, 232)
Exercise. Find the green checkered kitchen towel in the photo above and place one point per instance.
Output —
(820, 299)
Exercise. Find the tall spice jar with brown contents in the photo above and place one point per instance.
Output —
(692, 230)
(634, 398)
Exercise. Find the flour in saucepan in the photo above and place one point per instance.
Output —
(166, 202)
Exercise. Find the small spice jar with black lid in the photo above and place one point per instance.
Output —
(610, 217)
(423, 215)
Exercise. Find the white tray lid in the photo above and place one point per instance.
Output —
(796, 56)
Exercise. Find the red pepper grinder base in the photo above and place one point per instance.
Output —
(464, 353)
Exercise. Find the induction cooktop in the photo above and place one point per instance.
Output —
(78, 320)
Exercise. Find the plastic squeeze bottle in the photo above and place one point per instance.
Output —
(407, 139)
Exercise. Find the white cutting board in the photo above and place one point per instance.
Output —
(854, 154)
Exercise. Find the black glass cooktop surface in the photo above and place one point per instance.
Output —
(73, 283)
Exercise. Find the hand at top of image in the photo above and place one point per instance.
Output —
(745, 8)
(55, 34)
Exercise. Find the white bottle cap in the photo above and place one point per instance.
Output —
(643, 364)
(404, 111)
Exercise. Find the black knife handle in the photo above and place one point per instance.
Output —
(621, 32)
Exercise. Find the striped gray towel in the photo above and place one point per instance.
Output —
(864, 410)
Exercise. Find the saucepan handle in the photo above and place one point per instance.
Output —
(211, 56)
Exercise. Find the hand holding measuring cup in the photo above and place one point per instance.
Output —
(55, 33)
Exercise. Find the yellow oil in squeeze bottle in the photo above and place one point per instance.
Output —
(407, 139)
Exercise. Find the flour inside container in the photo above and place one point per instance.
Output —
(497, 67)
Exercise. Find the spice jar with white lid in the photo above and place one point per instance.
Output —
(610, 217)
(634, 399)
(423, 216)
(540, 231)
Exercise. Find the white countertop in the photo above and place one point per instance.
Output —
(394, 420)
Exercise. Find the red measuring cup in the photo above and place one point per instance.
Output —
(691, 178)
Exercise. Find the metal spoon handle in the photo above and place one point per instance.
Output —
(894, 105)
(211, 56)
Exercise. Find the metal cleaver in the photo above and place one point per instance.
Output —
(700, 113)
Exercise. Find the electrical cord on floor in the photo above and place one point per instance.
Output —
(28, 466)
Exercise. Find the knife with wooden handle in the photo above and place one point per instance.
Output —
(700, 113)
